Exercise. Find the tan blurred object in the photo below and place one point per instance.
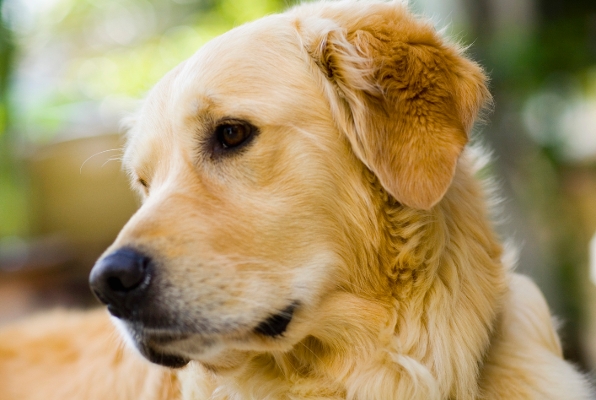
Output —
(80, 192)
(79, 198)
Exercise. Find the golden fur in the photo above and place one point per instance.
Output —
(356, 199)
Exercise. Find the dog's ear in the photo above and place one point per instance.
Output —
(408, 98)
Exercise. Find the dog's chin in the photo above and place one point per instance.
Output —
(218, 356)
(173, 350)
(159, 349)
(162, 358)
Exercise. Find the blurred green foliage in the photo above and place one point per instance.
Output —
(6, 56)
(12, 212)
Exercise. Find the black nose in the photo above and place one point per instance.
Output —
(120, 280)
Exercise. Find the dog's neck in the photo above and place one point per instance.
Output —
(405, 321)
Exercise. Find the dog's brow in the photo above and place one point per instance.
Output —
(202, 104)
(199, 107)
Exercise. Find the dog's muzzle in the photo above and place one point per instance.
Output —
(127, 282)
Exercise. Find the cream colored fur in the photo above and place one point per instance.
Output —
(355, 199)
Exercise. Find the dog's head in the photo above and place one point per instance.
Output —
(259, 159)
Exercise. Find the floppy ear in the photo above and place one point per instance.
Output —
(410, 98)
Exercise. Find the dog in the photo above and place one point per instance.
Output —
(312, 227)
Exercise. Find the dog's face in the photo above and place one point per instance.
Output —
(234, 152)
(252, 160)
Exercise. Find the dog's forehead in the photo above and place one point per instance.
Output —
(253, 61)
(247, 66)
(258, 50)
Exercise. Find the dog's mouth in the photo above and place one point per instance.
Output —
(176, 350)
(275, 325)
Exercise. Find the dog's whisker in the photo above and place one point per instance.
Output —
(94, 155)
(111, 159)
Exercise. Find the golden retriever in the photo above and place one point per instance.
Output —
(312, 228)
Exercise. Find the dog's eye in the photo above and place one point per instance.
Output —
(144, 186)
(231, 135)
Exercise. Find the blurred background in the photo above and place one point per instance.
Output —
(71, 69)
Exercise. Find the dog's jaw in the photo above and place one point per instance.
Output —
(169, 349)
